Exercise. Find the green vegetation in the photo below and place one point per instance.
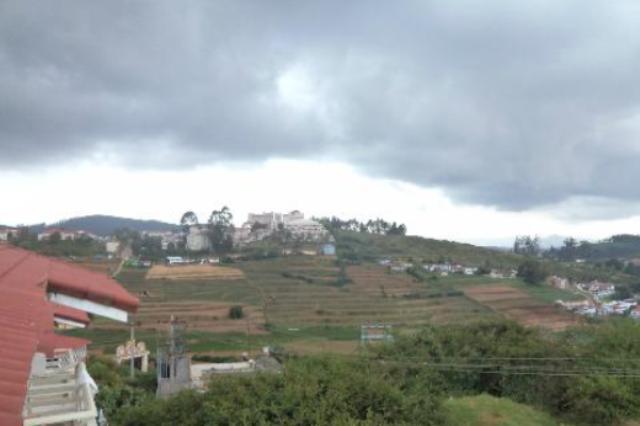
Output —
(357, 246)
(569, 375)
(377, 226)
(616, 247)
(310, 391)
(235, 312)
(486, 410)
(532, 272)
(471, 374)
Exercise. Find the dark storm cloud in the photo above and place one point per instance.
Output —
(512, 104)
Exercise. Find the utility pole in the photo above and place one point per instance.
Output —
(132, 349)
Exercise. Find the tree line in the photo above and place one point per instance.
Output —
(371, 226)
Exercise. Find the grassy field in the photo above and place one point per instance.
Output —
(485, 410)
(370, 247)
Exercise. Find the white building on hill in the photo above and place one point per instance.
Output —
(261, 225)
(198, 238)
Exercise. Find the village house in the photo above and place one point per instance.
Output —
(43, 378)
(617, 307)
(598, 289)
(470, 270)
(7, 233)
(439, 267)
(559, 282)
(112, 247)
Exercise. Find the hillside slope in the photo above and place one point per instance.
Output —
(105, 225)
(364, 246)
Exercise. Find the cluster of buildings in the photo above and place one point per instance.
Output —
(597, 288)
(259, 226)
(594, 289)
(6, 233)
(594, 305)
(444, 269)
(594, 308)
(43, 377)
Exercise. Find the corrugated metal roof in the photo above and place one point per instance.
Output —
(26, 316)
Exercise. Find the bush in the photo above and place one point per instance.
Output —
(532, 272)
(310, 391)
(236, 312)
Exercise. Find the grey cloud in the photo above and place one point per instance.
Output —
(515, 105)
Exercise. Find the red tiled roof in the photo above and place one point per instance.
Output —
(26, 316)
(70, 313)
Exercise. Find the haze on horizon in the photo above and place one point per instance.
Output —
(466, 121)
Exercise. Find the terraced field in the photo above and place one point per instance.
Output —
(374, 295)
(194, 272)
(310, 304)
(518, 305)
(200, 316)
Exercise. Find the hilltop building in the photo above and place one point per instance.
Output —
(43, 378)
(261, 225)
(198, 238)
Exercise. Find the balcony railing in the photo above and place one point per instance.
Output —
(61, 396)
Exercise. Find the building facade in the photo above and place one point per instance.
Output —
(198, 238)
(44, 379)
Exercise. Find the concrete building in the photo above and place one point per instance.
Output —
(173, 363)
(112, 247)
(6, 233)
(559, 282)
(198, 238)
(43, 378)
(262, 225)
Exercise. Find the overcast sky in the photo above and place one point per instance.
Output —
(472, 121)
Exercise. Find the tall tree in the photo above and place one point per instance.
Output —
(188, 218)
(221, 230)
(526, 245)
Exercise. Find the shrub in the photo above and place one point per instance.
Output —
(236, 312)
(532, 272)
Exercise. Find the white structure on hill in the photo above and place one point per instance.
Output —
(198, 238)
(261, 225)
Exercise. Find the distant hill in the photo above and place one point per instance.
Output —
(364, 246)
(623, 246)
(105, 225)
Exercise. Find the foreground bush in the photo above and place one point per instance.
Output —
(310, 392)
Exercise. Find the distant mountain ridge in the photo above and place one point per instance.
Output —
(105, 225)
